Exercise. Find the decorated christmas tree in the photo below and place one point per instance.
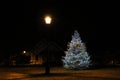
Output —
(76, 56)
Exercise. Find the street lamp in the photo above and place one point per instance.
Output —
(48, 21)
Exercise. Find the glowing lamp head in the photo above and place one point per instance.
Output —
(48, 19)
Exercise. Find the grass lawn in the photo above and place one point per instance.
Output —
(58, 73)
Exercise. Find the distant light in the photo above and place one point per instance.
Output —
(48, 19)
(24, 52)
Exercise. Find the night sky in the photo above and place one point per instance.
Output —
(23, 26)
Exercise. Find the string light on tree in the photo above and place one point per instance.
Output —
(76, 56)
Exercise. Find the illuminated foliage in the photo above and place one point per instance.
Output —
(76, 56)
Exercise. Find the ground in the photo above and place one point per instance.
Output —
(58, 73)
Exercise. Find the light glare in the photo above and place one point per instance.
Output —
(48, 20)
(24, 52)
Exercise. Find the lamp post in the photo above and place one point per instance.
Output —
(48, 21)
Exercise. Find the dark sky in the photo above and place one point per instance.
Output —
(23, 26)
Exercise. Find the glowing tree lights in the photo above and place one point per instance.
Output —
(76, 56)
